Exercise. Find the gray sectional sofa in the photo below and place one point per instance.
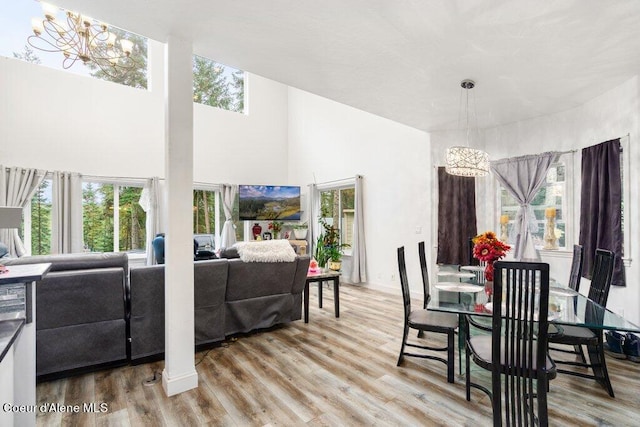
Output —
(92, 311)
(81, 312)
(231, 296)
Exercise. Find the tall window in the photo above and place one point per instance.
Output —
(552, 194)
(208, 214)
(112, 218)
(218, 85)
(337, 208)
(15, 27)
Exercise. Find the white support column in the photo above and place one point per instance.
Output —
(179, 373)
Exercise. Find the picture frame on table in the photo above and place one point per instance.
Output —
(266, 235)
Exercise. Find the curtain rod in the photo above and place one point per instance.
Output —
(337, 180)
(123, 178)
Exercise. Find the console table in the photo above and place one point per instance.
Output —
(322, 276)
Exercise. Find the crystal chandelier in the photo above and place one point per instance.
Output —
(81, 38)
(464, 160)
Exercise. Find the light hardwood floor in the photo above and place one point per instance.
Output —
(329, 372)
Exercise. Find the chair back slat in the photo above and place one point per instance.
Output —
(601, 276)
(402, 268)
(576, 268)
(425, 273)
(519, 341)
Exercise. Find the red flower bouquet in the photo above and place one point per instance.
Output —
(487, 248)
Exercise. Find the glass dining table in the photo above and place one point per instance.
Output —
(566, 307)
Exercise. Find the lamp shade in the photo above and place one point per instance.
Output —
(10, 217)
(466, 161)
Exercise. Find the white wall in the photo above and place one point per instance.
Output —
(330, 141)
(55, 120)
(613, 114)
(244, 149)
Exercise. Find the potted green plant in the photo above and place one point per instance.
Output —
(335, 258)
(328, 247)
(300, 231)
(321, 254)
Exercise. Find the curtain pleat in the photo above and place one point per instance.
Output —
(314, 214)
(66, 215)
(358, 253)
(456, 217)
(149, 202)
(601, 206)
(228, 229)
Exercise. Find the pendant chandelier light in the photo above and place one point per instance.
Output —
(81, 38)
(464, 160)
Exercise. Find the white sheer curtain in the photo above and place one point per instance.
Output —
(149, 202)
(522, 177)
(314, 214)
(66, 215)
(358, 249)
(228, 229)
(17, 187)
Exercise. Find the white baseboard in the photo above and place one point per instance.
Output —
(179, 384)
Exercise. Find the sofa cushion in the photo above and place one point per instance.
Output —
(258, 313)
(80, 261)
(79, 346)
(256, 279)
(66, 298)
(229, 253)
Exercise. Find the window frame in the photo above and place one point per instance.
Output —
(345, 185)
(216, 189)
(117, 183)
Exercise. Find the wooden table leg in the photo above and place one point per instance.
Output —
(306, 301)
(336, 295)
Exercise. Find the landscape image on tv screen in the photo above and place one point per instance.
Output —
(269, 202)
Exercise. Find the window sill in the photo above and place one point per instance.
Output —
(563, 253)
(556, 253)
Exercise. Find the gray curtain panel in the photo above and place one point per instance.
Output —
(522, 177)
(456, 217)
(601, 206)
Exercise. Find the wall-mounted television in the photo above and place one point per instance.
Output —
(269, 202)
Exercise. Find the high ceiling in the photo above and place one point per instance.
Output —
(404, 59)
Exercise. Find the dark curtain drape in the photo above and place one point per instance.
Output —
(456, 217)
(601, 206)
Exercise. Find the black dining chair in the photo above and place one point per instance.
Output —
(591, 338)
(576, 268)
(516, 351)
(574, 284)
(427, 321)
(425, 275)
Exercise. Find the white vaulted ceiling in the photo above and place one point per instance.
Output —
(404, 59)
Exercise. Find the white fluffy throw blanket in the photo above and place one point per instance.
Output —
(266, 251)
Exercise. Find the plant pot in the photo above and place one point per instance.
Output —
(335, 265)
(300, 233)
